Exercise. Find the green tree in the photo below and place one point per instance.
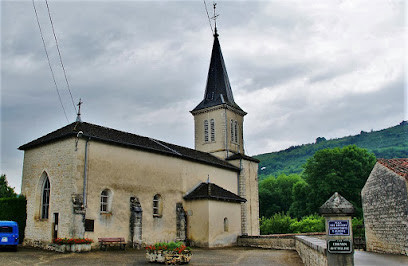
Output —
(301, 204)
(275, 194)
(344, 170)
(5, 190)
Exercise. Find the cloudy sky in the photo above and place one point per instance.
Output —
(301, 69)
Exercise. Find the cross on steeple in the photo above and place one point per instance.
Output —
(215, 20)
(78, 119)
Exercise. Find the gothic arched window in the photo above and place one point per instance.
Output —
(45, 198)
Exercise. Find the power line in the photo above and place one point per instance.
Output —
(208, 16)
(60, 57)
(49, 63)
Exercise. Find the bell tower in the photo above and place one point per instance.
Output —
(218, 120)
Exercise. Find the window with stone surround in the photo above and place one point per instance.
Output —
(106, 201)
(157, 206)
(205, 130)
(45, 198)
(212, 126)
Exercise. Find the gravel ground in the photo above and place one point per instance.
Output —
(226, 256)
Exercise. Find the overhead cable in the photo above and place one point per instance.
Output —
(49, 63)
(60, 57)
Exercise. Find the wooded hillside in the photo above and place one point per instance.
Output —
(387, 143)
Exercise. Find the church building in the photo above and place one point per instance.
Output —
(89, 181)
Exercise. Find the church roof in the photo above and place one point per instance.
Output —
(116, 137)
(213, 192)
(238, 156)
(218, 90)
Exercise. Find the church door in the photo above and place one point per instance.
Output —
(135, 223)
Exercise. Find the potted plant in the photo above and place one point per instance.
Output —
(169, 253)
(72, 244)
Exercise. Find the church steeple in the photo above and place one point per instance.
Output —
(218, 90)
(218, 120)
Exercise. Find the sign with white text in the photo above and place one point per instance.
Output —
(339, 228)
(339, 246)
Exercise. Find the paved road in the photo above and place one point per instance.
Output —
(362, 258)
(228, 256)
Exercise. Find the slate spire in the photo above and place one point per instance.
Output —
(218, 90)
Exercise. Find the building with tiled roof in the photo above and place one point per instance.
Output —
(385, 207)
(88, 181)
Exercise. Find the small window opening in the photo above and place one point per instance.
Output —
(206, 130)
(226, 224)
(212, 124)
(106, 200)
(157, 206)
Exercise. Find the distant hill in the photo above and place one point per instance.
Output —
(387, 143)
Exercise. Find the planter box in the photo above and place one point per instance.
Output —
(168, 257)
(71, 248)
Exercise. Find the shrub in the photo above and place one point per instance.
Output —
(308, 224)
(14, 209)
(358, 227)
(279, 223)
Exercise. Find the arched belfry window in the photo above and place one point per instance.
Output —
(205, 130)
(212, 126)
(157, 206)
(106, 201)
(45, 198)
(236, 131)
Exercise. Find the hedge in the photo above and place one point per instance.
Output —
(14, 209)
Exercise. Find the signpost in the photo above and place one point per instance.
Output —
(339, 234)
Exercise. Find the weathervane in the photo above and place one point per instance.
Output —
(78, 119)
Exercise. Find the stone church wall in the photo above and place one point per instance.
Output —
(134, 173)
(385, 207)
(56, 160)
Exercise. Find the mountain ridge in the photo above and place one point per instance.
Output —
(386, 143)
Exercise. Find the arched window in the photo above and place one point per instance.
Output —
(225, 224)
(206, 130)
(45, 198)
(157, 206)
(212, 125)
(106, 201)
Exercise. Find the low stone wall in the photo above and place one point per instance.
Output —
(311, 247)
(278, 241)
(311, 250)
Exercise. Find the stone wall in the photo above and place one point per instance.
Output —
(278, 241)
(311, 250)
(385, 207)
(311, 247)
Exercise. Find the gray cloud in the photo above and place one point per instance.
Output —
(300, 70)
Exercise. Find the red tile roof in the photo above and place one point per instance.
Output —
(398, 166)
